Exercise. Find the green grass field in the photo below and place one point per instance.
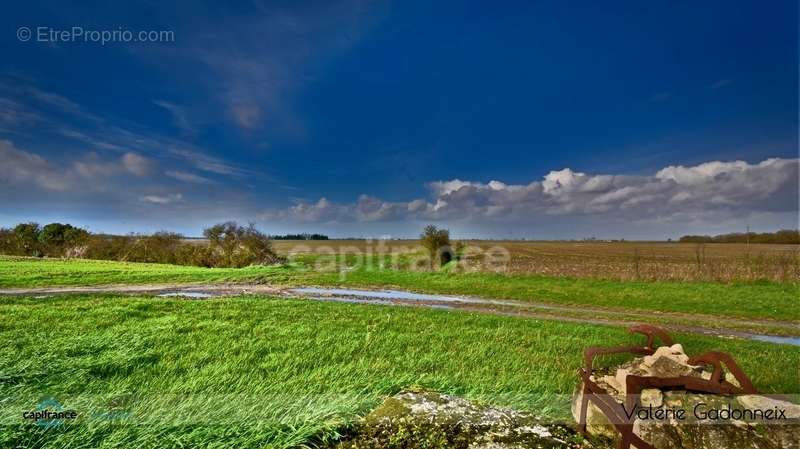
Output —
(251, 372)
(256, 371)
(763, 300)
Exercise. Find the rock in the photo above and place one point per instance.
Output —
(703, 425)
(425, 419)
(651, 398)
(674, 352)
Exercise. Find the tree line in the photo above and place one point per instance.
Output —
(304, 236)
(784, 236)
(226, 244)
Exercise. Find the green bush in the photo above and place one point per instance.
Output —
(437, 242)
(26, 240)
(62, 240)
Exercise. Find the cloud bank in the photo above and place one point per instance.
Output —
(735, 188)
(131, 188)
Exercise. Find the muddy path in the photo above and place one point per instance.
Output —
(203, 290)
(763, 330)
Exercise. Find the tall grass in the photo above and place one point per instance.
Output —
(255, 372)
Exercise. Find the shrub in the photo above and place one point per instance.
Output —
(161, 247)
(60, 240)
(109, 247)
(229, 245)
(437, 242)
(233, 245)
(25, 240)
(6, 241)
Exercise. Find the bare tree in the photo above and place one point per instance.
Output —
(233, 245)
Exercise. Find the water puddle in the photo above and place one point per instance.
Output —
(181, 294)
(398, 295)
(794, 341)
(404, 298)
(354, 300)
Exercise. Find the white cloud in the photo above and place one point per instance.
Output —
(14, 115)
(246, 115)
(208, 163)
(129, 163)
(700, 173)
(22, 168)
(179, 115)
(322, 210)
(136, 164)
(445, 187)
(717, 187)
(163, 199)
(562, 181)
(48, 108)
(65, 105)
(97, 143)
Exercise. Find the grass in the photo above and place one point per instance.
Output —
(33, 272)
(253, 372)
(742, 300)
(761, 300)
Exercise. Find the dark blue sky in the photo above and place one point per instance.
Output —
(258, 111)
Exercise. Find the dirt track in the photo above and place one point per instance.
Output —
(710, 325)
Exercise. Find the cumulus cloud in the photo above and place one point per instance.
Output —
(321, 211)
(731, 188)
(366, 208)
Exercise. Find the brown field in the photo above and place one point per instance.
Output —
(607, 260)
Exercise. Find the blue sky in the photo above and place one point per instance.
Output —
(501, 119)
